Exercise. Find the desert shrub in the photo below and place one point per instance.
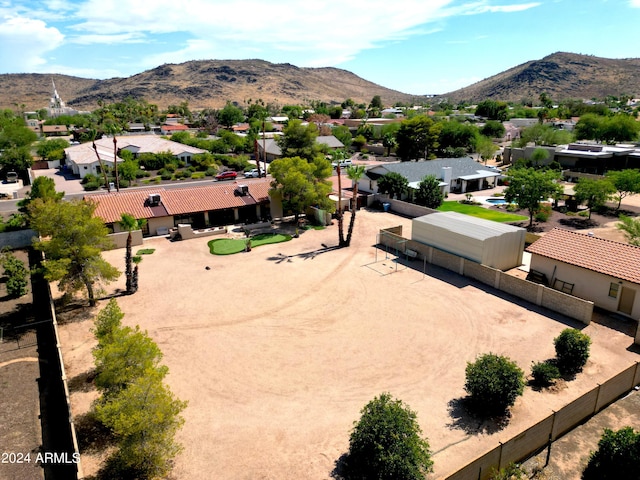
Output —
(513, 471)
(617, 457)
(170, 167)
(197, 175)
(584, 213)
(142, 174)
(512, 207)
(17, 275)
(124, 183)
(543, 213)
(182, 174)
(386, 443)
(91, 186)
(572, 350)
(211, 171)
(544, 373)
(88, 178)
(493, 383)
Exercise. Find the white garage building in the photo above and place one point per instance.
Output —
(490, 243)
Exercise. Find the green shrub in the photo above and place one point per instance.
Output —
(142, 174)
(166, 176)
(17, 275)
(387, 443)
(584, 213)
(170, 167)
(91, 186)
(543, 213)
(569, 213)
(182, 174)
(197, 175)
(512, 207)
(572, 350)
(513, 471)
(211, 171)
(544, 373)
(617, 457)
(192, 169)
(88, 178)
(493, 383)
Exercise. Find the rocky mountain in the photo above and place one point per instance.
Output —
(562, 75)
(207, 83)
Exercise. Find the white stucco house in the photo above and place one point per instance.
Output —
(82, 159)
(596, 269)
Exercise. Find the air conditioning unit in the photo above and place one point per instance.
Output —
(154, 199)
(243, 190)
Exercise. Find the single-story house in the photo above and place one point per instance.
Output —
(270, 145)
(596, 269)
(170, 129)
(203, 206)
(82, 159)
(494, 244)
(455, 174)
(54, 130)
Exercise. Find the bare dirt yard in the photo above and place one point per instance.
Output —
(277, 350)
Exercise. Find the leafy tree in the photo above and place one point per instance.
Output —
(230, 115)
(594, 192)
(493, 383)
(539, 156)
(72, 241)
(299, 140)
(543, 134)
(529, 187)
(342, 133)
(416, 137)
(617, 456)
(129, 223)
(609, 129)
(301, 183)
(107, 323)
(17, 274)
(493, 129)
(387, 443)
(572, 350)
(43, 188)
(429, 193)
(14, 134)
(128, 169)
(493, 110)
(355, 173)
(48, 148)
(376, 102)
(626, 183)
(454, 134)
(394, 184)
(16, 159)
(486, 148)
(631, 229)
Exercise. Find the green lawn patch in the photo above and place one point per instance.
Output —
(229, 246)
(481, 212)
(145, 251)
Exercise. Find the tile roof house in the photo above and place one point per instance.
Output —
(82, 159)
(270, 145)
(456, 174)
(201, 206)
(596, 269)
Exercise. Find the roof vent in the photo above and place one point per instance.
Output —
(154, 199)
(242, 189)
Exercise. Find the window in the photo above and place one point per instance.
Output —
(563, 286)
(613, 290)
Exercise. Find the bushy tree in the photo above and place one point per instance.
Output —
(429, 194)
(47, 148)
(17, 274)
(299, 140)
(43, 188)
(107, 322)
(386, 443)
(493, 129)
(529, 187)
(417, 137)
(572, 350)
(626, 182)
(631, 229)
(493, 110)
(393, 183)
(230, 115)
(617, 457)
(493, 383)
(72, 239)
(544, 373)
(594, 193)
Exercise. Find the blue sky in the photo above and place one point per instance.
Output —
(415, 46)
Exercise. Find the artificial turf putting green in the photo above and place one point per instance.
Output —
(229, 246)
(480, 212)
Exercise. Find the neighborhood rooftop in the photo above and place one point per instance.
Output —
(619, 260)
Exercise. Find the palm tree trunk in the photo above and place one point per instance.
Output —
(128, 259)
(354, 207)
(341, 241)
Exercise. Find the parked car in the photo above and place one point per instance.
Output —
(343, 164)
(226, 175)
(253, 173)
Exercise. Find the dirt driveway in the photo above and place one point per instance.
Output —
(278, 349)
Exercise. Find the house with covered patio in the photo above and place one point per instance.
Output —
(459, 175)
(201, 206)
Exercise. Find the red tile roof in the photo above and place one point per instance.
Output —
(618, 260)
(178, 201)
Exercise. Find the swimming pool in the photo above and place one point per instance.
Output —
(497, 201)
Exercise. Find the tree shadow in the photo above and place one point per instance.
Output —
(578, 223)
(282, 258)
(20, 315)
(339, 471)
(93, 436)
(82, 382)
(470, 419)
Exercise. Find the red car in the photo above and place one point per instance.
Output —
(227, 175)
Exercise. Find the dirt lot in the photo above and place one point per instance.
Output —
(278, 349)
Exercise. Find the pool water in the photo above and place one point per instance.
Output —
(497, 201)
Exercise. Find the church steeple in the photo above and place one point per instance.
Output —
(56, 101)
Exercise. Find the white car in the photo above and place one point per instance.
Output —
(343, 163)
(253, 173)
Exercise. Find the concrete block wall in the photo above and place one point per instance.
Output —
(568, 305)
(120, 239)
(482, 273)
(529, 291)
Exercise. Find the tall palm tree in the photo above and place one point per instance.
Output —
(129, 223)
(354, 173)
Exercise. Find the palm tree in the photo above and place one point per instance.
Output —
(129, 223)
(354, 173)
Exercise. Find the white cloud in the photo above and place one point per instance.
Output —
(106, 39)
(24, 42)
(634, 3)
